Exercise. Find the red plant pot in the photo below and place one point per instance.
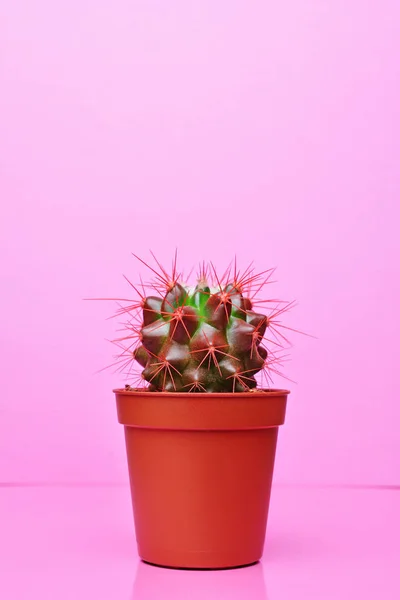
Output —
(200, 469)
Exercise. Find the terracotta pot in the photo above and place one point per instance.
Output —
(200, 468)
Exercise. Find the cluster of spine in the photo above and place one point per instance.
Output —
(208, 338)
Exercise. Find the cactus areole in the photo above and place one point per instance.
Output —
(200, 418)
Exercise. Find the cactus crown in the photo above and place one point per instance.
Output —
(206, 338)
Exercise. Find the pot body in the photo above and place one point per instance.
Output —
(200, 468)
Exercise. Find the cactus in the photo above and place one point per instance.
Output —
(205, 338)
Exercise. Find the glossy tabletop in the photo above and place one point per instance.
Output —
(73, 543)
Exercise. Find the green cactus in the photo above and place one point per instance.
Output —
(207, 338)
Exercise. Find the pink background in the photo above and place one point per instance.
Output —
(267, 129)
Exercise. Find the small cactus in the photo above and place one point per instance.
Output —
(205, 338)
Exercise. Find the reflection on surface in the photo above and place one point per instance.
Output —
(153, 583)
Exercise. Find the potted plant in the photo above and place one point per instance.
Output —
(200, 434)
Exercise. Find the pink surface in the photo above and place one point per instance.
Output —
(269, 129)
(78, 543)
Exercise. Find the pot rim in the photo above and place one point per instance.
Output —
(251, 394)
(204, 411)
